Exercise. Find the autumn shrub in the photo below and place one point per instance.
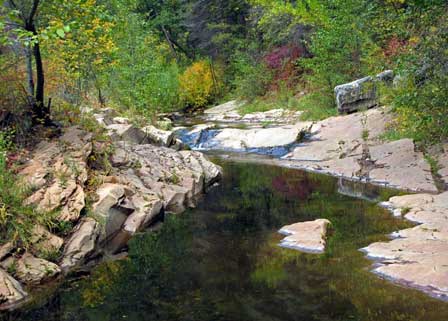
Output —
(197, 84)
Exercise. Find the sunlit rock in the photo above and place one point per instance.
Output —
(309, 237)
(417, 256)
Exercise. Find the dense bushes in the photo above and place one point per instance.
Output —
(351, 39)
(197, 84)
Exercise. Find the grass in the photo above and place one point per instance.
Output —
(17, 220)
(315, 106)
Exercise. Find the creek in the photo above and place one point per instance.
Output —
(221, 260)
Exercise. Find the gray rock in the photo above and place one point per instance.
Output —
(11, 292)
(126, 132)
(357, 95)
(159, 137)
(80, 245)
(386, 76)
(361, 94)
(30, 269)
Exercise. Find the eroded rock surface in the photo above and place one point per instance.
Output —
(30, 269)
(58, 172)
(349, 146)
(309, 237)
(80, 245)
(11, 292)
(418, 256)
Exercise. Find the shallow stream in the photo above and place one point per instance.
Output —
(221, 261)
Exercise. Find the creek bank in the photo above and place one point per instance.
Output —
(417, 256)
(145, 180)
(347, 146)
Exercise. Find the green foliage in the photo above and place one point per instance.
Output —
(316, 106)
(251, 78)
(144, 78)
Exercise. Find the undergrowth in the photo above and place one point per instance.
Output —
(17, 220)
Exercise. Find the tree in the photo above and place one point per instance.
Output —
(27, 13)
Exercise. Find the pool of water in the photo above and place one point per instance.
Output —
(221, 261)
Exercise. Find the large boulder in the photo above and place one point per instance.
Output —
(126, 132)
(357, 95)
(360, 94)
(11, 292)
(159, 137)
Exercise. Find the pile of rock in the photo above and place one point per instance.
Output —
(229, 112)
(122, 129)
(147, 179)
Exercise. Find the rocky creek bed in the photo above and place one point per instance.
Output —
(153, 175)
(222, 260)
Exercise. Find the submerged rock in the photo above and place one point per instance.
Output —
(309, 237)
(417, 256)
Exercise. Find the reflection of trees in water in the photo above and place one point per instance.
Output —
(293, 185)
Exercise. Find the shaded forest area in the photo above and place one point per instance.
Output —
(148, 56)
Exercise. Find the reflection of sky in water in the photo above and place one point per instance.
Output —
(221, 261)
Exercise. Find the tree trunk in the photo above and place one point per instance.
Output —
(30, 76)
(167, 37)
(40, 109)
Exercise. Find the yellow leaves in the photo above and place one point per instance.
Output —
(197, 84)
(89, 42)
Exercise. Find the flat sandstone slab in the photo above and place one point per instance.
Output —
(306, 237)
(418, 256)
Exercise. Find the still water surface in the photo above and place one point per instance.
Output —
(221, 261)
